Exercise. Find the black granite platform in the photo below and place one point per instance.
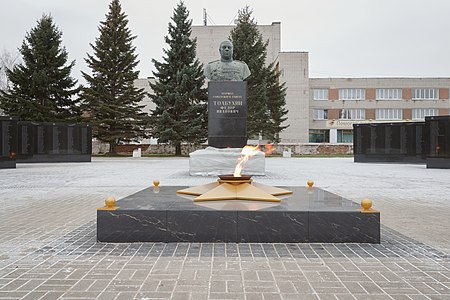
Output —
(309, 215)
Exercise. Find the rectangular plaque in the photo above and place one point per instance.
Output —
(227, 114)
(70, 148)
(398, 137)
(439, 136)
(419, 140)
(23, 138)
(4, 138)
(85, 141)
(55, 140)
(62, 138)
(39, 139)
(26, 139)
(8, 142)
(438, 141)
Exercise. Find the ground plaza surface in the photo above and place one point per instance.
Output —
(48, 247)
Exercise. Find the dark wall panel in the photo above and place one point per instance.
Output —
(54, 142)
(389, 142)
(8, 142)
(438, 142)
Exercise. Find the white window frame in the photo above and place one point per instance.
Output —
(320, 94)
(352, 94)
(421, 113)
(388, 94)
(425, 94)
(389, 114)
(320, 114)
(352, 114)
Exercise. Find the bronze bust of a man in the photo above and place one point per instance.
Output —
(226, 69)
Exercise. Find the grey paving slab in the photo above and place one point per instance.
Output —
(48, 247)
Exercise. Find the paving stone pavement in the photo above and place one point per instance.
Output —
(48, 247)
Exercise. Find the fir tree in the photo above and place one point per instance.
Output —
(266, 96)
(111, 100)
(180, 113)
(276, 104)
(40, 88)
(250, 48)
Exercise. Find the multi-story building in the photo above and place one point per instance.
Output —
(337, 103)
(323, 110)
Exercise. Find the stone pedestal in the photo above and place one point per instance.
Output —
(227, 114)
(214, 161)
(309, 215)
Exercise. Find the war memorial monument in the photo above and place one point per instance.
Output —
(234, 208)
(227, 118)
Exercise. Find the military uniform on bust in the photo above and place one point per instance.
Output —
(226, 69)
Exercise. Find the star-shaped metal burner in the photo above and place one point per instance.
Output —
(229, 187)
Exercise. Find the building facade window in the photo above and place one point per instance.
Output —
(320, 114)
(319, 136)
(345, 136)
(388, 94)
(421, 113)
(320, 94)
(425, 94)
(388, 114)
(352, 114)
(352, 94)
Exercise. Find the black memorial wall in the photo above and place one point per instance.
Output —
(389, 142)
(54, 142)
(44, 142)
(409, 142)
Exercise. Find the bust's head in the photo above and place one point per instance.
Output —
(226, 51)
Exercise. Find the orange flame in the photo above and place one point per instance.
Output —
(268, 148)
(246, 153)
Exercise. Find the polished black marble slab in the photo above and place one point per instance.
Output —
(132, 225)
(439, 142)
(273, 227)
(43, 142)
(8, 142)
(308, 215)
(227, 114)
(400, 142)
(201, 226)
(335, 228)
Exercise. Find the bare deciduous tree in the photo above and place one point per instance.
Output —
(7, 61)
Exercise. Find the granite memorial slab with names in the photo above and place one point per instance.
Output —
(8, 142)
(438, 144)
(390, 142)
(54, 142)
(227, 114)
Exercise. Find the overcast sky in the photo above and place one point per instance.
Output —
(344, 38)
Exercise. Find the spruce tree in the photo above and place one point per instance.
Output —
(266, 96)
(250, 48)
(40, 88)
(276, 104)
(111, 100)
(180, 113)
